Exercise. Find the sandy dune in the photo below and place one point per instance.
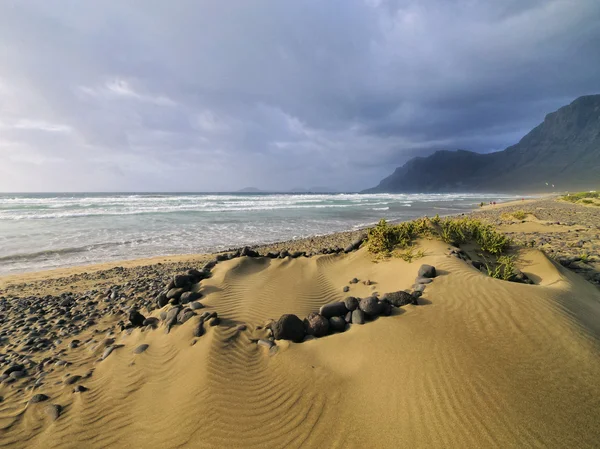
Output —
(480, 363)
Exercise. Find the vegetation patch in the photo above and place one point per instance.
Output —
(589, 198)
(384, 238)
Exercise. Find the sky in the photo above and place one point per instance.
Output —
(148, 95)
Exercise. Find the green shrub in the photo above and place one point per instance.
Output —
(383, 238)
(503, 268)
(519, 215)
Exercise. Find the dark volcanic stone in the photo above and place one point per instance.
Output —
(189, 297)
(199, 328)
(80, 389)
(161, 300)
(351, 303)
(248, 252)
(386, 307)
(337, 324)
(151, 321)
(370, 306)
(72, 379)
(40, 397)
(53, 411)
(182, 280)
(196, 305)
(288, 327)
(346, 289)
(427, 271)
(174, 293)
(398, 299)
(333, 309)
(141, 348)
(215, 321)
(136, 318)
(316, 325)
(358, 317)
(12, 368)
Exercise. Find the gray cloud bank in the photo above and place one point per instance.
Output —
(217, 95)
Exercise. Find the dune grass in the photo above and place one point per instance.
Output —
(590, 198)
(384, 237)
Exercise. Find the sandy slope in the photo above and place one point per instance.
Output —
(481, 363)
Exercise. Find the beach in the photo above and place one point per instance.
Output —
(107, 358)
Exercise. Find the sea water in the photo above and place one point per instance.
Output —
(42, 231)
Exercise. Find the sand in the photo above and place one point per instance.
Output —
(479, 362)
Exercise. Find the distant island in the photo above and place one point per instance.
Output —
(562, 153)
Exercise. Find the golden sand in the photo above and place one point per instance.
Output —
(480, 363)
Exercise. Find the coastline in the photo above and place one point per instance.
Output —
(82, 276)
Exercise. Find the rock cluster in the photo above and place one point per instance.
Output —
(336, 316)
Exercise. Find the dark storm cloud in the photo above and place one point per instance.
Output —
(188, 95)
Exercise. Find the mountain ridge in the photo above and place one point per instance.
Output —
(563, 150)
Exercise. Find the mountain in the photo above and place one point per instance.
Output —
(250, 190)
(563, 150)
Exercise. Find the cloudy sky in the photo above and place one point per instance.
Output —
(148, 95)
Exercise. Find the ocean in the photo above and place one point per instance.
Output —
(43, 231)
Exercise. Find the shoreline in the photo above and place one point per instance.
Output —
(310, 243)
(68, 270)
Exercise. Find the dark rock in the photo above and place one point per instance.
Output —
(333, 309)
(273, 255)
(247, 252)
(40, 397)
(141, 348)
(297, 254)
(175, 293)
(283, 254)
(354, 281)
(182, 280)
(358, 317)
(198, 275)
(199, 329)
(346, 289)
(12, 368)
(337, 324)
(151, 321)
(347, 317)
(196, 305)
(215, 321)
(398, 299)
(316, 325)
(187, 297)
(71, 380)
(370, 306)
(80, 389)
(209, 266)
(351, 303)
(289, 327)
(386, 307)
(53, 411)
(136, 318)
(356, 243)
(161, 300)
(185, 315)
(427, 271)
(18, 374)
(171, 317)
